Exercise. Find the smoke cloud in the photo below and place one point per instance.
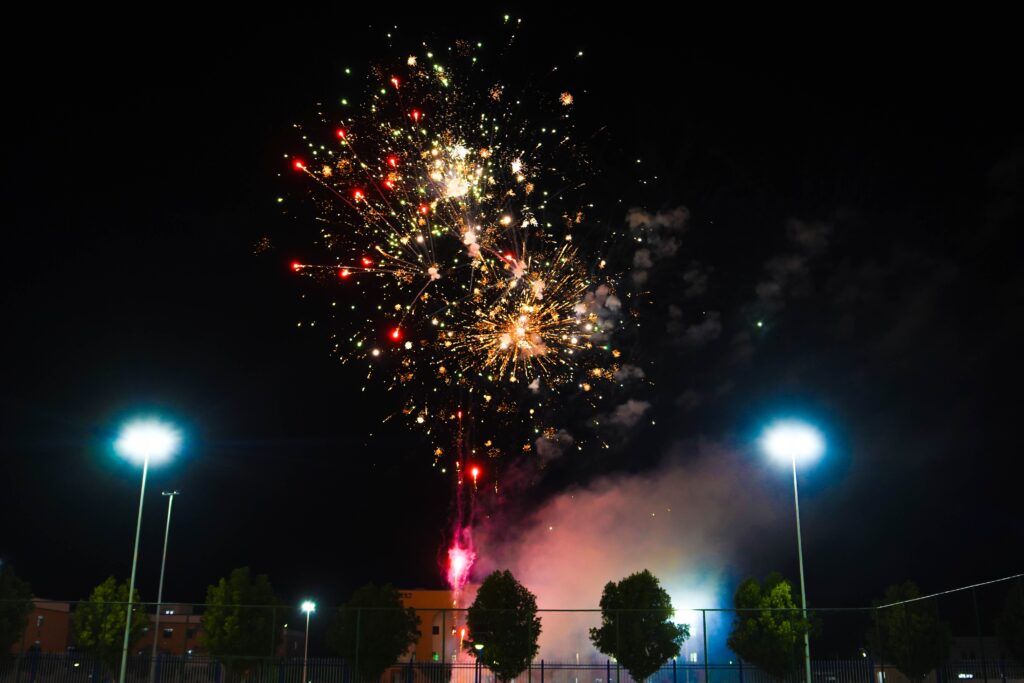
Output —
(693, 522)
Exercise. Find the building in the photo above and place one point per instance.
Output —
(50, 630)
(442, 623)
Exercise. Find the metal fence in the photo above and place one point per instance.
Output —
(848, 645)
(36, 667)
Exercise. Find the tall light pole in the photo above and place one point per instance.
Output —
(308, 607)
(142, 440)
(160, 590)
(793, 440)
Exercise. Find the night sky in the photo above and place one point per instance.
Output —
(853, 184)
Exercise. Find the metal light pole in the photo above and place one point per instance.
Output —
(160, 590)
(142, 440)
(792, 440)
(308, 607)
(803, 588)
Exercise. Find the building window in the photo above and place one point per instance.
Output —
(436, 630)
(168, 632)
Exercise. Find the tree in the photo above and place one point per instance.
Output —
(912, 636)
(503, 626)
(768, 630)
(1011, 621)
(636, 625)
(15, 606)
(239, 622)
(99, 621)
(374, 621)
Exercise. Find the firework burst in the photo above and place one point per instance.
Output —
(446, 236)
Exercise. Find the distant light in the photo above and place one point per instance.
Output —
(793, 440)
(308, 606)
(965, 675)
(478, 646)
(147, 440)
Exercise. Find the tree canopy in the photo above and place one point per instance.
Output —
(374, 629)
(240, 621)
(99, 621)
(636, 625)
(910, 635)
(1011, 621)
(769, 627)
(503, 625)
(15, 606)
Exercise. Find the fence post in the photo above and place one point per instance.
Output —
(881, 649)
(981, 641)
(273, 630)
(542, 671)
(673, 670)
(739, 660)
(359, 615)
(35, 665)
(704, 620)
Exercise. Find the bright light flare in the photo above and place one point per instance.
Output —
(308, 606)
(793, 440)
(460, 562)
(147, 440)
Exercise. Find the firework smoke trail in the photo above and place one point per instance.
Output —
(461, 553)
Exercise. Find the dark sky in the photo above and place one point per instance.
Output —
(854, 183)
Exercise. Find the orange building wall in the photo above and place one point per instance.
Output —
(436, 610)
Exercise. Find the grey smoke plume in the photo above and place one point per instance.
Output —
(659, 232)
(628, 372)
(629, 413)
(550, 448)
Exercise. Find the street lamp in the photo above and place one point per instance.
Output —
(160, 591)
(308, 607)
(142, 441)
(793, 440)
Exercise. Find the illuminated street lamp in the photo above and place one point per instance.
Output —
(308, 607)
(793, 440)
(142, 441)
